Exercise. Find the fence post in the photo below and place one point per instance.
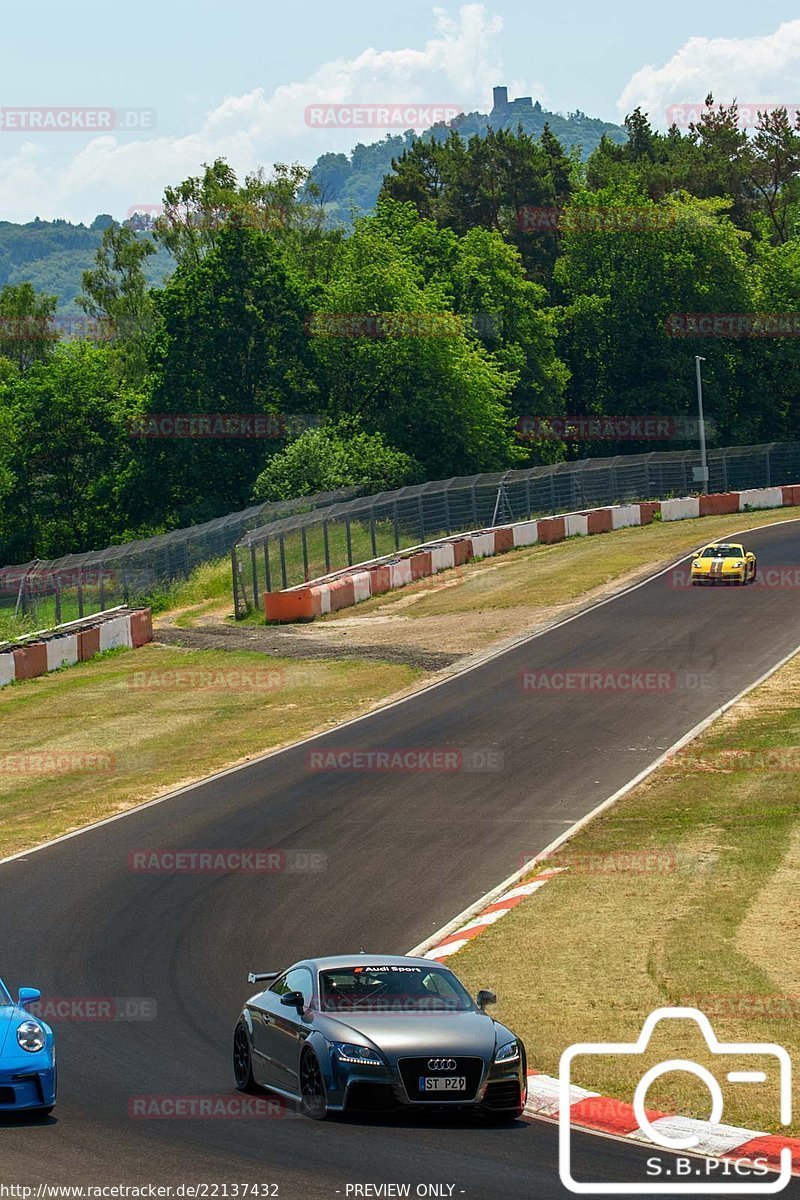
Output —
(769, 473)
(372, 533)
(305, 552)
(267, 578)
(58, 603)
(528, 494)
(421, 515)
(254, 571)
(396, 527)
(349, 542)
(474, 508)
(327, 548)
(80, 601)
(447, 511)
(101, 593)
(283, 559)
(236, 606)
(552, 491)
(724, 472)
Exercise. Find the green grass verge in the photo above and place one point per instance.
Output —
(159, 729)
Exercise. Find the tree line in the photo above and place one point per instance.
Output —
(499, 279)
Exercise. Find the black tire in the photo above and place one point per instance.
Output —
(312, 1087)
(243, 1061)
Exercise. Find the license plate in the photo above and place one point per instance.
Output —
(450, 1083)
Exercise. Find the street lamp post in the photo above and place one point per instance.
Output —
(701, 427)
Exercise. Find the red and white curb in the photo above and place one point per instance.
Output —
(602, 1114)
(497, 909)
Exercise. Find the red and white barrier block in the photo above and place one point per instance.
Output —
(343, 588)
(69, 644)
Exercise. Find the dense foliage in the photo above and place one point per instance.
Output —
(498, 278)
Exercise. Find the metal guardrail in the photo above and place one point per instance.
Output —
(295, 549)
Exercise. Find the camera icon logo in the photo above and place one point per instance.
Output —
(678, 1135)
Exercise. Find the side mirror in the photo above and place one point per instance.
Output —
(294, 1000)
(485, 998)
(28, 996)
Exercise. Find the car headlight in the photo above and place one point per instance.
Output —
(695, 563)
(363, 1056)
(738, 564)
(31, 1036)
(508, 1053)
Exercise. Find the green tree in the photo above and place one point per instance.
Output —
(328, 457)
(27, 331)
(116, 291)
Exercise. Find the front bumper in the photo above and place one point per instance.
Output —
(494, 1087)
(737, 576)
(29, 1083)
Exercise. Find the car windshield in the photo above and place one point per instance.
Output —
(723, 552)
(384, 988)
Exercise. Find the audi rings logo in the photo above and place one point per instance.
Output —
(442, 1064)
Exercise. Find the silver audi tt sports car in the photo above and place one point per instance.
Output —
(377, 1032)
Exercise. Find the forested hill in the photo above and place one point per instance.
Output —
(52, 255)
(353, 182)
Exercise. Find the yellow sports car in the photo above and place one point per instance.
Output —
(724, 562)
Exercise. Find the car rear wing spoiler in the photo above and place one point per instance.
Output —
(262, 977)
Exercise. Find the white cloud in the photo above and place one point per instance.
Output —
(460, 64)
(756, 70)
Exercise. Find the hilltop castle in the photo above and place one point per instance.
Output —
(503, 108)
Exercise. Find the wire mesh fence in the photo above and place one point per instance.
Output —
(47, 593)
(294, 549)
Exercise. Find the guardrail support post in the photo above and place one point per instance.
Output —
(327, 548)
(305, 552)
(266, 565)
(283, 559)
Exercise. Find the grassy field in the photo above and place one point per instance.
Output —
(132, 724)
(685, 892)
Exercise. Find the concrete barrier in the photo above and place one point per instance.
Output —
(361, 586)
(381, 579)
(719, 503)
(551, 529)
(526, 533)
(483, 544)
(30, 661)
(648, 509)
(576, 525)
(141, 627)
(62, 651)
(7, 672)
(791, 495)
(421, 566)
(400, 572)
(504, 539)
(442, 557)
(761, 498)
(625, 515)
(462, 551)
(342, 593)
(88, 643)
(115, 634)
(680, 510)
(598, 520)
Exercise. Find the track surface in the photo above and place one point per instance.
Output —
(405, 853)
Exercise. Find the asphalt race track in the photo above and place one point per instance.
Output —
(406, 851)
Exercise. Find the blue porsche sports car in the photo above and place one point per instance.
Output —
(27, 1056)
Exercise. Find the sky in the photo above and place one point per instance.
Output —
(202, 80)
